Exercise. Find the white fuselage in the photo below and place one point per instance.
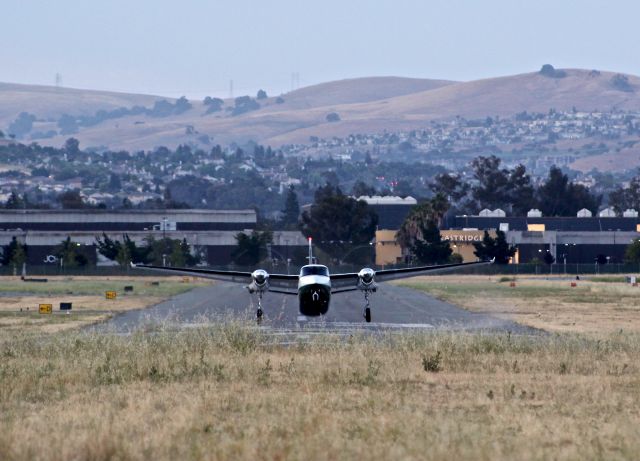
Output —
(314, 290)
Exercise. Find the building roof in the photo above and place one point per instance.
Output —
(521, 223)
(388, 200)
(126, 220)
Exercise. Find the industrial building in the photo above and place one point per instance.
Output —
(210, 232)
(580, 239)
(570, 240)
(391, 211)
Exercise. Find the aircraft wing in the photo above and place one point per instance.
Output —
(275, 280)
(350, 279)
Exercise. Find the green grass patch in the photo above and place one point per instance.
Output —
(608, 279)
(98, 287)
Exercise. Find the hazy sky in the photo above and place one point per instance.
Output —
(195, 47)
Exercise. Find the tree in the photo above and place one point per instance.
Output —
(361, 188)
(71, 200)
(189, 258)
(559, 197)
(338, 223)
(431, 249)
(22, 125)
(498, 248)
(261, 95)
(451, 186)
(419, 219)
(68, 253)
(623, 198)
(621, 82)
(14, 254)
(632, 252)
(107, 247)
(15, 202)
(124, 256)
(492, 188)
(181, 105)
(291, 211)
(403, 189)
(244, 104)
(548, 258)
(116, 250)
(213, 104)
(332, 117)
(520, 191)
(549, 71)
(72, 147)
(251, 249)
(499, 187)
(67, 124)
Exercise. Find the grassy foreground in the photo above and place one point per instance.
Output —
(226, 393)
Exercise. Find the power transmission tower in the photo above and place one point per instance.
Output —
(295, 80)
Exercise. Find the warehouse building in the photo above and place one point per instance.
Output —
(210, 232)
(580, 239)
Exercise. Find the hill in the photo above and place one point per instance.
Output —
(358, 90)
(366, 105)
(48, 102)
(503, 96)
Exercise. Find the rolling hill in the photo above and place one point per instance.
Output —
(365, 105)
(48, 102)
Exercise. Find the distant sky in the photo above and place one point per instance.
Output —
(196, 47)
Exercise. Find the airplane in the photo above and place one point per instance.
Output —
(314, 285)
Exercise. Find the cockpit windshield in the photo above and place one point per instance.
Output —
(314, 270)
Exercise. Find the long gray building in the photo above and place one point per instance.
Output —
(211, 232)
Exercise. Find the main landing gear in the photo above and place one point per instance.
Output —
(366, 313)
(259, 312)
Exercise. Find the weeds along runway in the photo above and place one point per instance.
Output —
(394, 308)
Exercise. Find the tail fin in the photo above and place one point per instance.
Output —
(310, 251)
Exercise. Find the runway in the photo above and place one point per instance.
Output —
(393, 308)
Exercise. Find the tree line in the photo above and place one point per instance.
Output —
(493, 186)
(165, 251)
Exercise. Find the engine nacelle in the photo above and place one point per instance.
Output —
(366, 280)
(259, 281)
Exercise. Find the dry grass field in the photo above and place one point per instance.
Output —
(19, 300)
(230, 391)
(598, 306)
(226, 393)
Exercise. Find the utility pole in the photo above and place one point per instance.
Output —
(164, 241)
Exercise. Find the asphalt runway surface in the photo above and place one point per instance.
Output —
(393, 308)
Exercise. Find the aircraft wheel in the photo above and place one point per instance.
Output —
(259, 314)
(367, 315)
